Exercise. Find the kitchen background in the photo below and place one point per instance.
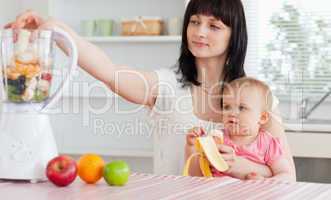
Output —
(289, 47)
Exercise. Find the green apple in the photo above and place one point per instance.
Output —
(116, 173)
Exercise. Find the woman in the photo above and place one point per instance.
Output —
(213, 50)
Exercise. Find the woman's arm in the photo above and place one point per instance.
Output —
(275, 127)
(240, 167)
(281, 170)
(135, 86)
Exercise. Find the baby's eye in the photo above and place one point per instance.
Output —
(226, 107)
(241, 108)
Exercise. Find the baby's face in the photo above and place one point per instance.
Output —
(242, 110)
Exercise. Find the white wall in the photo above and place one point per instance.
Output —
(8, 11)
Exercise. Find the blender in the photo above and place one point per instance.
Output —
(27, 64)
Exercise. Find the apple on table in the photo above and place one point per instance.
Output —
(61, 170)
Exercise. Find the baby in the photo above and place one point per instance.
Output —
(247, 103)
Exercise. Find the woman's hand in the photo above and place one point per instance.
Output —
(33, 21)
(254, 176)
(234, 162)
(240, 167)
(27, 20)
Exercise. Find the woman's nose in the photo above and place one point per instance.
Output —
(202, 31)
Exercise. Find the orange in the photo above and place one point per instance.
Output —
(90, 168)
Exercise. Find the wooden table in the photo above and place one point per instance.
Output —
(148, 186)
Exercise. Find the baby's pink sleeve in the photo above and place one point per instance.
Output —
(274, 151)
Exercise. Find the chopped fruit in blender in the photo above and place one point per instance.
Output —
(18, 85)
(28, 95)
(21, 79)
(43, 85)
(12, 94)
(12, 74)
(32, 83)
(46, 76)
(40, 96)
(27, 57)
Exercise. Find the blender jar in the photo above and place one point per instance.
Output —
(27, 65)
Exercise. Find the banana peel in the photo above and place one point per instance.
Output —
(208, 153)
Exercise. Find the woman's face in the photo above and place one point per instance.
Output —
(207, 36)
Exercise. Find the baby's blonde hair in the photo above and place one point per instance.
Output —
(264, 89)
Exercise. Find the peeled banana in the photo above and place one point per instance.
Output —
(208, 153)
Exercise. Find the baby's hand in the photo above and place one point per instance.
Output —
(254, 176)
(192, 134)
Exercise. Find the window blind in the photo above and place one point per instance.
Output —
(290, 45)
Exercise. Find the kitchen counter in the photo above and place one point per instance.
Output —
(149, 186)
(309, 138)
(308, 125)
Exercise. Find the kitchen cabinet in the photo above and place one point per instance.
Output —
(310, 144)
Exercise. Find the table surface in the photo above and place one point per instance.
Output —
(149, 186)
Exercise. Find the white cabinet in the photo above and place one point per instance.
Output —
(310, 144)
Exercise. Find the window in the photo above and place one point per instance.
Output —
(290, 45)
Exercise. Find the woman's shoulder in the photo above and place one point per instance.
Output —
(169, 77)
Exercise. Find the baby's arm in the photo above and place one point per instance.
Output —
(281, 170)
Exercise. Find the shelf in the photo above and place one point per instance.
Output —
(135, 39)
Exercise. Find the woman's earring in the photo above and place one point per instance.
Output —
(227, 62)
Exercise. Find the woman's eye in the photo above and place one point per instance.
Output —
(214, 27)
(195, 22)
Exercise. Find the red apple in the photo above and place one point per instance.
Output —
(61, 170)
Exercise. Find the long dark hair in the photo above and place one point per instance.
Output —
(231, 13)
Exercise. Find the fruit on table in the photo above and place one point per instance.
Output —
(207, 150)
(116, 173)
(61, 170)
(90, 168)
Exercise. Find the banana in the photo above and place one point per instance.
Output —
(208, 154)
(204, 166)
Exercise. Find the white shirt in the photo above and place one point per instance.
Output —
(172, 116)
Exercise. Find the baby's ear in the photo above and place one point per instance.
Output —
(264, 117)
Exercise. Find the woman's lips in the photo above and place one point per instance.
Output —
(199, 44)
